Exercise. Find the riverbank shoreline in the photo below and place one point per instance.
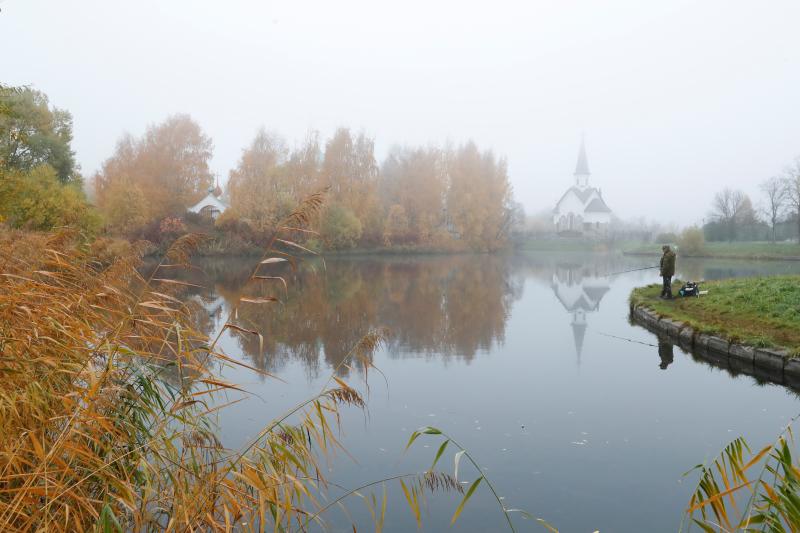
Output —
(749, 250)
(772, 364)
(750, 324)
(742, 257)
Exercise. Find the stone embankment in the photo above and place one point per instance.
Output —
(772, 364)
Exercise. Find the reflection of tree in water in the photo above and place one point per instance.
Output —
(453, 306)
(450, 306)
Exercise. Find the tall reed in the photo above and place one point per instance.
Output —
(748, 490)
(108, 394)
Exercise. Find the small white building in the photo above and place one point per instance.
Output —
(213, 205)
(582, 210)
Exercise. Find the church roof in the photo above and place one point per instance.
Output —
(582, 194)
(582, 302)
(597, 206)
(596, 293)
(582, 167)
(210, 200)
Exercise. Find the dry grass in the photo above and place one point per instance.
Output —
(107, 397)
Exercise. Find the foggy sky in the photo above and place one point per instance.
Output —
(677, 99)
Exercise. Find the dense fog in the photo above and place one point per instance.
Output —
(677, 100)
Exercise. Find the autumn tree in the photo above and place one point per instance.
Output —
(350, 171)
(478, 198)
(340, 228)
(414, 180)
(125, 206)
(32, 133)
(396, 228)
(259, 185)
(303, 166)
(168, 164)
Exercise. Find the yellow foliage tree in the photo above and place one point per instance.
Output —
(479, 196)
(38, 200)
(169, 165)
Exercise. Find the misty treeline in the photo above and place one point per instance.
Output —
(416, 196)
(444, 197)
(776, 217)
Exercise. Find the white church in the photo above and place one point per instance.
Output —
(213, 205)
(581, 211)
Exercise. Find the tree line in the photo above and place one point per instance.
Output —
(733, 216)
(417, 196)
(433, 196)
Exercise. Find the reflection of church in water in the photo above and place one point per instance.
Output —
(579, 290)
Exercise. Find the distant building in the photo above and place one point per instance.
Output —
(581, 211)
(213, 205)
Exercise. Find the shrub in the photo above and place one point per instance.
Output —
(340, 228)
(171, 227)
(666, 238)
(37, 200)
(125, 208)
(692, 241)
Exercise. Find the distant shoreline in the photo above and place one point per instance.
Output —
(747, 257)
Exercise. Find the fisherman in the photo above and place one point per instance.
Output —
(667, 271)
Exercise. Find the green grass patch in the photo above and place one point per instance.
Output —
(732, 250)
(761, 311)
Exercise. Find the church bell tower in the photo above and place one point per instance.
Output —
(582, 167)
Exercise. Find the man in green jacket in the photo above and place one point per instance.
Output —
(667, 271)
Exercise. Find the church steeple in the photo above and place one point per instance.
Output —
(582, 167)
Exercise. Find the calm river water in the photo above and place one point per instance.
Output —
(511, 356)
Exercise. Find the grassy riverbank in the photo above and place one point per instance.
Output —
(763, 311)
(730, 250)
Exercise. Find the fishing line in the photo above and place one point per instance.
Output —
(626, 339)
(632, 270)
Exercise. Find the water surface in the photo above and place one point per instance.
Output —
(514, 357)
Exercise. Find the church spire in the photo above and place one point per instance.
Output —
(582, 167)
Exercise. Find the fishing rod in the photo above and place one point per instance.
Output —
(632, 270)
